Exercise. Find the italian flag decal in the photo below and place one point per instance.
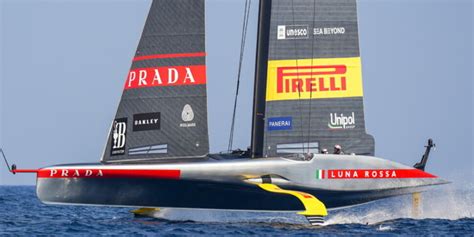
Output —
(319, 174)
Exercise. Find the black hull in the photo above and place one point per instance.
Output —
(142, 192)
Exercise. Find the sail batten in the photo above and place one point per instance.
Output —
(176, 55)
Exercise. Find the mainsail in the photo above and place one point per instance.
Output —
(163, 110)
(313, 82)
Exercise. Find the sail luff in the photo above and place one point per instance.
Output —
(261, 62)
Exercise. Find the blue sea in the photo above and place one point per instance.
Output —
(446, 211)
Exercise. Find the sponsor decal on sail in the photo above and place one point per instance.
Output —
(187, 115)
(150, 149)
(329, 31)
(292, 32)
(119, 136)
(372, 174)
(166, 76)
(340, 121)
(314, 79)
(279, 123)
(146, 121)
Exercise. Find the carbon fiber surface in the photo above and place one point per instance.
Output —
(174, 30)
(315, 30)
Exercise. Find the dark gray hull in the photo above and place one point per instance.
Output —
(194, 194)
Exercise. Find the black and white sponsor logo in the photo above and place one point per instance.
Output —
(329, 31)
(119, 136)
(187, 115)
(146, 121)
(292, 32)
(341, 121)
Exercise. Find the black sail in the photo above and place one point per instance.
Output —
(163, 110)
(314, 92)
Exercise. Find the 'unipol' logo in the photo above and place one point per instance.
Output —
(119, 136)
(341, 121)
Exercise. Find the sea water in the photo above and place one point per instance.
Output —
(445, 211)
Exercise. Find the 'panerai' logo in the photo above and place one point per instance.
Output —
(279, 123)
(314, 79)
(340, 121)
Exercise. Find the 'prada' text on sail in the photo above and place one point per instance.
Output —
(166, 76)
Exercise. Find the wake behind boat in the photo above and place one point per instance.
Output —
(308, 97)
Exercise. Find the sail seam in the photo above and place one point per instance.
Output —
(299, 86)
(312, 65)
(175, 55)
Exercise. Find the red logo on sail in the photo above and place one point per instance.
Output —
(166, 76)
(311, 78)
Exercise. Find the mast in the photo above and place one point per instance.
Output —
(261, 63)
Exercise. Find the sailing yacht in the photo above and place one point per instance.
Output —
(308, 96)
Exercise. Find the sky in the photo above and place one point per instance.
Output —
(63, 65)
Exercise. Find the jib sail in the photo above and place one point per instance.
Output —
(313, 90)
(163, 110)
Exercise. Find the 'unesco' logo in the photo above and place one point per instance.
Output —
(292, 32)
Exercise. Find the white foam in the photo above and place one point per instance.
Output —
(384, 228)
(449, 203)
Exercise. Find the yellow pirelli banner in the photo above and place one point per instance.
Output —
(314, 79)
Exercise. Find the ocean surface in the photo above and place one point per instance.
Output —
(446, 211)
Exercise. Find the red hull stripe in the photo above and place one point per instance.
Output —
(108, 173)
(175, 55)
(377, 174)
(24, 171)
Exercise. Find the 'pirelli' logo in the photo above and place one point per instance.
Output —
(314, 79)
(311, 78)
